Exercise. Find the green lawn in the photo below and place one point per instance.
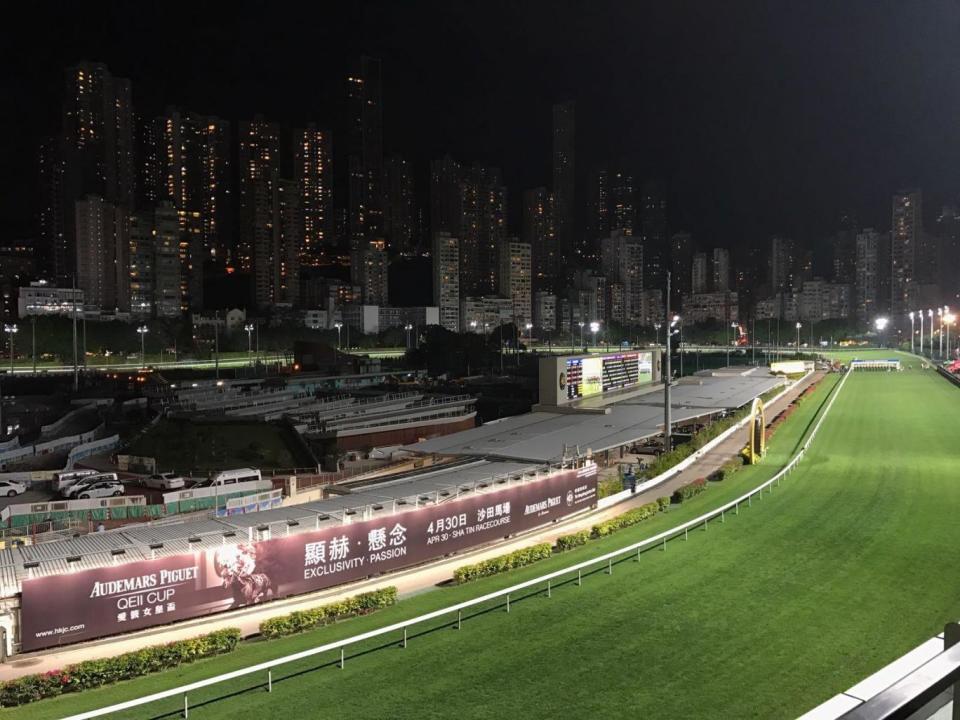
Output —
(823, 581)
(185, 446)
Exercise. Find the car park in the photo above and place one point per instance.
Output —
(164, 481)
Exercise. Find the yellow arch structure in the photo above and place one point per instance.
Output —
(757, 446)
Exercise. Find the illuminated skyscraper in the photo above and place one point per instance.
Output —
(564, 169)
(906, 230)
(313, 169)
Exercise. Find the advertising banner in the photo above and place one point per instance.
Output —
(77, 606)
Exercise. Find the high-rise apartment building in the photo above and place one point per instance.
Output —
(259, 161)
(622, 261)
(374, 273)
(598, 207)
(94, 155)
(623, 208)
(400, 212)
(445, 195)
(544, 312)
(948, 240)
(446, 279)
(653, 230)
(721, 270)
(313, 170)
(700, 276)
(167, 266)
(538, 229)
(905, 237)
(783, 264)
(564, 169)
(867, 276)
(289, 228)
(101, 233)
(515, 278)
(483, 226)
(681, 266)
(365, 146)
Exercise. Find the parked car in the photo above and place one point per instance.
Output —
(104, 488)
(165, 481)
(10, 488)
(65, 478)
(74, 490)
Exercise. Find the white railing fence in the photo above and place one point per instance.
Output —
(547, 582)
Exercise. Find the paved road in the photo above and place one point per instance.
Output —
(409, 582)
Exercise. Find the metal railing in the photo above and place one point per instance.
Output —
(546, 581)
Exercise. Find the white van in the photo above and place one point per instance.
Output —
(66, 478)
(230, 477)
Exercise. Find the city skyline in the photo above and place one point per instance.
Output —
(697, 158)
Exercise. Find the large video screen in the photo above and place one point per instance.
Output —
(586, 377)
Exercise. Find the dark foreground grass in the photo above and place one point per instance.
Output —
(828, 578)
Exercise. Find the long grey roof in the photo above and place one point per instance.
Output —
(141, 542)
(543, 436)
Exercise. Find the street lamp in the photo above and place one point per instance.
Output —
(338, 326)
(911, 315)
(799, 325)
(249, 328)
(940, 338)
(142, 332)
(581, 323)
(930, 315)
(594, 327)
(920, 317)
(948, 318)
(733, 327)
(881, 324)
(408, 327)
(656, 330)
(11, 330)
(529, 328)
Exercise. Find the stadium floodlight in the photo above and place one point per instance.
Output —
(338, 326)
(581, 324)
(594, 327)
(948, 318)
(11, 330)
(799, 325)
(911, 315)
(930, 315)
(142, 331)
(881, 324)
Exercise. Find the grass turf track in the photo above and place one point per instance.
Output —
(838, 572)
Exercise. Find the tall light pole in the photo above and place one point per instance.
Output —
(656, 332)
(73, 301)
(799, 325)
(249, 328)
(216, 345)
(667, 419)
(338, 326)
(920, 317)
(930, 315)
(408, 327)
(940, 338)
(33, 340)
(881, 324)
(948, 319)
(581, 323)
(11, 330)
(733, 326)
(529, 328)
(594, 327)
(675, 322)
(911, 315)
(142, 332)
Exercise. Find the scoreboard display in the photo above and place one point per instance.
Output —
(589, 376)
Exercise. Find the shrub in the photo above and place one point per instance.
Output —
(502, 563)
(568, 542)
(685, 492)
(609, 486)
(301, 620)
(103, 671)
(631, 517)
(663, 502)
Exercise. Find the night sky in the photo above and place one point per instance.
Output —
(762, 116)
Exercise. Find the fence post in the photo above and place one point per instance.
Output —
(186, 707)
(459, 619)
(736, 510)
(269, 680)
(638, 554)
(705, 521)
(664, 544)
(749, 500)
(610, 566)
(685, 530)
(404, 637)
(723, 517)
(508, 603)
(548, 588)
(341, 658)
(579, 579)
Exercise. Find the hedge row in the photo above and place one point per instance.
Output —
(95, 673)
(609, 486)
(302, 620)
(685, 492)
(631, 517)
(502, 563)
(568, 542)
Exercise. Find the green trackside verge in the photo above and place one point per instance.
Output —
(832, 575)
